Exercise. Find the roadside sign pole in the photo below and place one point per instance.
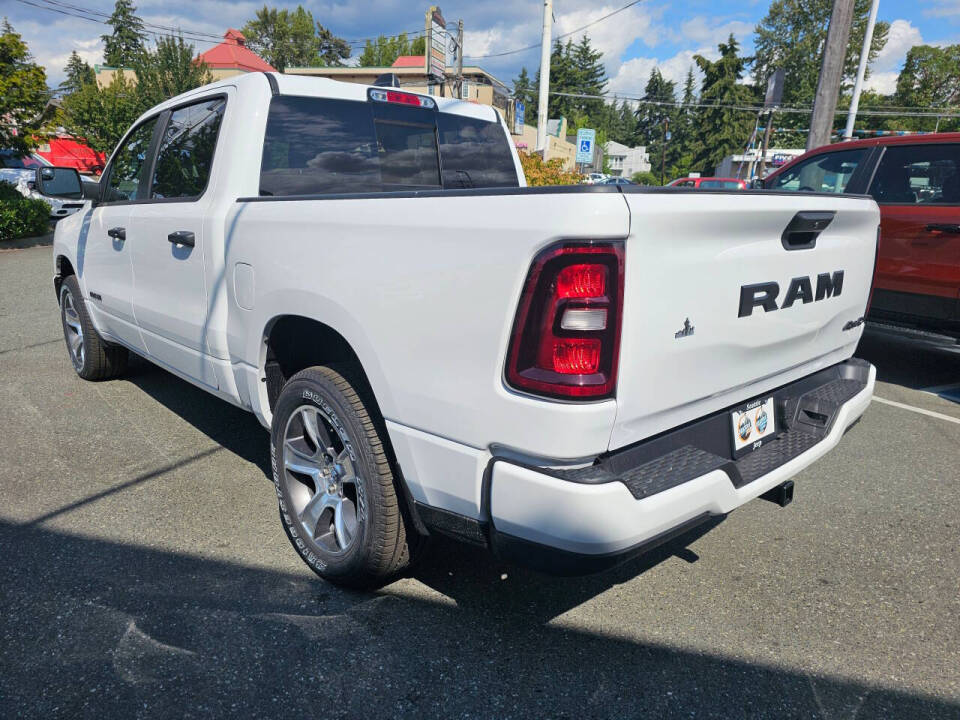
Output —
(831, 73)
(766, 143)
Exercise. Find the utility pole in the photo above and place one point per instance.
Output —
(862, 70)
(544, 76)
(460, 59)
(663, 154)
(766, 142)
(831, 73)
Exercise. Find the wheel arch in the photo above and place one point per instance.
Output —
(64, 268)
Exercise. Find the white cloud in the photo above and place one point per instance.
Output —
(632, 75)
(903, 35)
(703, 30)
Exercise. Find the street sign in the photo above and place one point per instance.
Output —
(518, 112)
(774, 94)
(436, 45)
(586, 138)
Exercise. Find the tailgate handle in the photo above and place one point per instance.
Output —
(803, 230)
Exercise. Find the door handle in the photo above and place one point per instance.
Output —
(182, 237)
(118, 233)
(952, 228)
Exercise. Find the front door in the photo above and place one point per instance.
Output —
(169, 292)
(918, 265)
(104, 249)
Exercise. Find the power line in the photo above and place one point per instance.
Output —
(562, 35)
(750, 108)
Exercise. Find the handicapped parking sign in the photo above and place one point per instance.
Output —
(586, 138)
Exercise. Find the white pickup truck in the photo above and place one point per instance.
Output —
(566, 375)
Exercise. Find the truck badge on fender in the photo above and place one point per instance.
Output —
(685, 331)
(764, 295)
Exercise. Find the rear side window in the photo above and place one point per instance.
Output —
(826, 173)
(475, 153)
(926, 174)
(317, 146)
(186, 150)
(719, 184)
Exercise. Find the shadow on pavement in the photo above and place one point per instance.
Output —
(235, 429)
(902, 362)
(98, 629)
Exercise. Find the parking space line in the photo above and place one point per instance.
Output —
(930, 413)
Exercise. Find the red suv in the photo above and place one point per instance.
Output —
(915, 180)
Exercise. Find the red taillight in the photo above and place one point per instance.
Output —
(401, 98)
(566, 336)
(582, 281)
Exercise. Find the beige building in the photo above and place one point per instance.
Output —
(557, 145)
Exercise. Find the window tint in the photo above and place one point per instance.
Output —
(323, 146)
(918, 174)
(185, 156)
(828, 173)
(720, 184)
(407, 155)
(12, 160)
(128, 163)
(318, 146)
(474, 153)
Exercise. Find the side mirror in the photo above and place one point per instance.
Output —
(60, 182)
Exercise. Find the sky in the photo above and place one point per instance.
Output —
(650, 33)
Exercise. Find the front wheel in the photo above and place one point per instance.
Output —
(338, 498)
(91, 357)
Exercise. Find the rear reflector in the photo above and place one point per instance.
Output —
(566, 335)
(402, 98)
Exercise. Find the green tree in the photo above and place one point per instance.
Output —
(167, 71)
(792, 35)
(683, 143)
(930, 79)
(23, 91)
(721, 130)
(655, 113)
(524, 91)
(101, 116)
(332, 50)
(122, 47)
(383, 51)
(291, 38)
(79, 73)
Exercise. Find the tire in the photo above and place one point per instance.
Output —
(90, 355)
(352, 532)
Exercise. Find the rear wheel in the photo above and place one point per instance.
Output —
(339, 501)
(90, 355)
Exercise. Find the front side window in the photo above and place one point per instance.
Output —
(185, 155)
(720, 185)
(826, 173)
(918, 174)
(128, 164)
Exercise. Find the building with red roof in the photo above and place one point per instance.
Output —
(232, 57)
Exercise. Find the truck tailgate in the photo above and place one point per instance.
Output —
(700, 331)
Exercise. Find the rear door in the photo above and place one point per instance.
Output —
(722, 305)
(918, 267)
(169, 291)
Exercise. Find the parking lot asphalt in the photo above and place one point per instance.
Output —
(144, 574)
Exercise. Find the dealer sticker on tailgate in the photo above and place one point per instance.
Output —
(752, 425)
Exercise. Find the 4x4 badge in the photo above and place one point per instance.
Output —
(686, 331)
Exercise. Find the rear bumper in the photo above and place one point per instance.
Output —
(571, 522)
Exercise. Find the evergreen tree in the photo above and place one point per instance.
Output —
(79, 73)
(655, 114)
(123, 46)
(291, 38)
(682, 145)
(523, 90)
(721, 130)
